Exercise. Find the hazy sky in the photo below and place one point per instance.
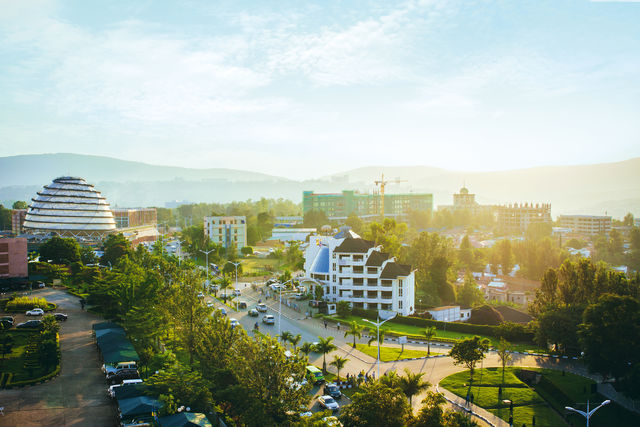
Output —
(304, 89)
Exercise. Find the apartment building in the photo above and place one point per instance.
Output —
(349, 268)
(13, 258)
(516, 218)
(341, 205)
(586, 224)
(226, 230)
(18, 217)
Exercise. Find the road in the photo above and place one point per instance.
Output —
(435, 368)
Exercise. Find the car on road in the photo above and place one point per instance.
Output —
(30, 324)
(332, 390)
(35, 312)
(262, 308)
(200, 295)
(268, 319)
(222, 311)
(211, 304)
(60, 316)
(329, 403)
(234, 322)
(237, 292)
(242, 304)
(254, 313)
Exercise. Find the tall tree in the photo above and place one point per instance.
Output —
(469, 352)
(465, 253)
(20, 204)
(429, 333)
(412, 383)
(116, 247)
(470, 294)
(339, 363)
(324, 346)
(60, 250)
(432, 256)
(376, 405)
(390, 234)
(504, 353)
(355, 223)
(354, 329)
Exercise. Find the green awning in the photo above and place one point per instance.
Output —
(138, 406)
(105, 325)
(121, 355)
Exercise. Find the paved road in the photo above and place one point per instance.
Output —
(77, 397)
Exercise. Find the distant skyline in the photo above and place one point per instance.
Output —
(307, 89)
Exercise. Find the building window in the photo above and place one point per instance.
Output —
(400, 292)
(334, 289)
(400, 305)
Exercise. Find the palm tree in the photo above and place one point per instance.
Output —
(504, 353)
(294, 340)
(324, 346)
(391, 379)
(412, 384)
(373, 334)
(285, 336)
(339, 363)
(354, 329)
(307, 348)
(225, 283)
(429, 333)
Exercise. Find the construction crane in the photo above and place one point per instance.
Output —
(382, 183)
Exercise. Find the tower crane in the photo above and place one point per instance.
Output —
(382, 183)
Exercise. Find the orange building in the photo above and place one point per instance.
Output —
(13, 258)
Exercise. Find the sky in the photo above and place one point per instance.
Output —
(305, 89)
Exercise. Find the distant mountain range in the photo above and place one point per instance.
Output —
(613, 188)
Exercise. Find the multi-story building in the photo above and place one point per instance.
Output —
(136, 224)
(226, 230)
(13, 258)
(349, 268)
(17, 219)
(516, 218)
(336, 205)
(586, 224)
(465, 201)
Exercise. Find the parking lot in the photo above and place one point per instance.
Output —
(77, 397)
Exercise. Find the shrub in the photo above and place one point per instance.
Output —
(485, 315)
(246, 250)
(26, 303)
(343, 308)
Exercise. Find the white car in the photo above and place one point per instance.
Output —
(262, 308)
(210, 304)
(200, 295)
(268, 319)
(111, 390)
(237, 292)
(35, 312)
(234, 322)
(328, 402)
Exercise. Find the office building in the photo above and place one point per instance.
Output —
(13, 259)
(465, 201)
(349, 268)
(137, 224)
(226, 231)
(18, 217)
(516, 218)
(586, 224)
(341, 205)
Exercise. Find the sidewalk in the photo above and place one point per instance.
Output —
(484, 415)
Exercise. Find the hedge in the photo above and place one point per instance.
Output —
(41, 379)
(508, 330)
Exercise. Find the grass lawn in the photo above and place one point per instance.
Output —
(389, 354)
(255, 265)
(416, 332)
(14, 362)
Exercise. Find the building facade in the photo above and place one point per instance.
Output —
(336, 205)
(450, 313)
(516, 218)
(586, 224)
(349, 268)
(226, 230)
(137, 224)
(13, 258)
(17, 220)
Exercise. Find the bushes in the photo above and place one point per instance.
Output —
(26, 303)
(486, 315)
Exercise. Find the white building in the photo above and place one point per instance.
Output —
(291, 234)
(226, 230)
(586, 224)
(352, 269)
(450, 313)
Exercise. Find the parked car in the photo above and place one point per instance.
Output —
(298, 296)
(6, 324)
(268, 319)
(30, 324)
(111, 369)
(60, 316)
(262, 308)
(223, 311)
(10, 319)
(111, 391)
(314, 375)
(272, 281)
(35, 312)
(332, 390)
(123, 374)
(327, 402)
(211, 304)
(41, 285)
(254, 313)
(237, 292)
(200, 295)
(234, 322)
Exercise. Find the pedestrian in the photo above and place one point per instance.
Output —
(338, 325)
(325, 324)
(533, 421)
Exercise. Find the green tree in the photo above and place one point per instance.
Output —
(294, 340)
(432, 256)
(390, 234)
(324, 346)
(469, 352)
(505, 255)
(376, 335)
(343, 308)
(431, 414)
(465, 253)
(355, 223)
(376, 406)
(315, 219)
(412, 383)
(186, 385)
(429, 333)
(19, 204)
(609, 335)
(285, 336)
(559, 326)
(338, 363)
(116, 247)
(60, 250)
(6, 345)
(307, 348)
(87, 255)
(470, 294)
(627, 221)
(504, 353)
(354, 329)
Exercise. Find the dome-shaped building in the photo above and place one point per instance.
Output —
(70, 207)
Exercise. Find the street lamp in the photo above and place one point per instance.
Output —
(587, 414)
(378, 324)
(180, 242)
(207, 262)
(236, 264)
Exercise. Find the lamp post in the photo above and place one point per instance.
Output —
(588, 414)
(236, 265)
(280, 304)
(378, 324)
(207, 262)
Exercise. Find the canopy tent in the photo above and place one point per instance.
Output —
(185, 419)
(102, 332)
(127, 391)
(122, 355)
(138, 406)
(105, 325)
(113, 341)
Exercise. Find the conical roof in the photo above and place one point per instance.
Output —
(70, 207)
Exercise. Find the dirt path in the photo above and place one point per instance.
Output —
(77, 397)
